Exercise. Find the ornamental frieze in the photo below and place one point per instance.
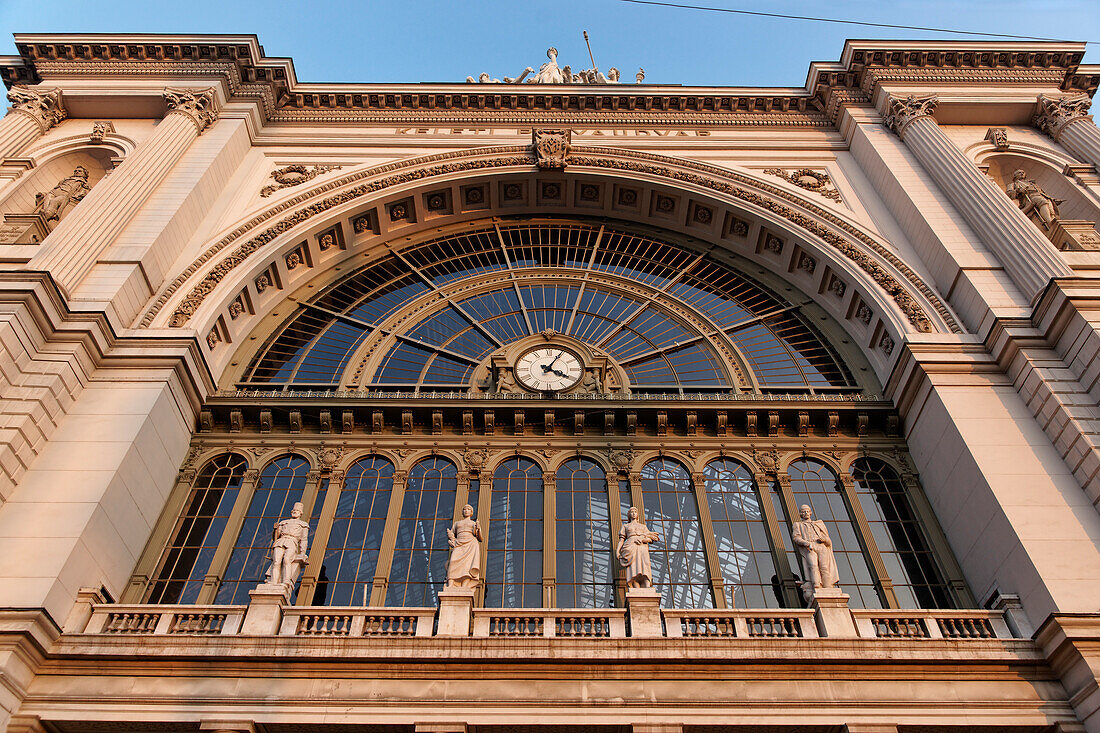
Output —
(601, 158)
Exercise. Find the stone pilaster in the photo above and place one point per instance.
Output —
(1067, 121)
(71, 250)
(32, 113)
(1028, 257)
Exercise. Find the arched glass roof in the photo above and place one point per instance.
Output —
(671, 318)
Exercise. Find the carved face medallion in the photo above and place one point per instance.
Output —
(549, 369)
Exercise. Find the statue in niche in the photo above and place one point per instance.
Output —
(290, 542)
(464, 566)
(505, 381)
(633, 551)
(68, 191)
(811, 540)
(1033, 201)
(591, 382)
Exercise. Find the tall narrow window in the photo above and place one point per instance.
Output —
(744, 552)
(419, 566)
(280, 486)
(585, 574)
(356, 536)
(814, 484)
(679, 558)
(905, 550)
(186, 561)
(514, 575)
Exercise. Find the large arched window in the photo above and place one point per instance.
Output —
(814, 484)
(281, 485)
(905, 550)
(679, 559)
(514, 575)
(744, 552)
(185, 562)
(585, 576)
(419, 566)
(355, 539)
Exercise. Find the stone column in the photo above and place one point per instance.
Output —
(32, 113)
(74, 246)
(1028, 257)
(1067, 121)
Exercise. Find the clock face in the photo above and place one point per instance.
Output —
(549, 369)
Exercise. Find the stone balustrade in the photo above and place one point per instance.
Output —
(608, 623)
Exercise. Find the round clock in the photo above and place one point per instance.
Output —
(549, 369)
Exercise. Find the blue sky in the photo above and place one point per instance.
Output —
(418, 40)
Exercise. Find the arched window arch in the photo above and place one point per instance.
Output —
(905, 550)
(815, 484)
(585, 576)
(185, 562)
(355, 540)
(679, 559)
(280, 485)
(741, 535)
(419, 566)
(514, 548)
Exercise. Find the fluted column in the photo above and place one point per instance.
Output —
(74, 246)
(1028, 257)
(32, 113)
(1067, 121)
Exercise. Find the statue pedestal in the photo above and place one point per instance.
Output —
(643, 605)
(833, 618)
(1073, 235)
(456, 608)
(265, 609)
(23, 229)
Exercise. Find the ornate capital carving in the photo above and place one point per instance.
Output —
(198, 104)
(902, 111)
(1057, 112)
(45, 106)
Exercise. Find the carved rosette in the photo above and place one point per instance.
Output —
(806, 178)
(1057, 112)
(198, 104)
(44, 107)
(902, 112)
(551, 147)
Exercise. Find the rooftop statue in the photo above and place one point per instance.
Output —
(551, 73)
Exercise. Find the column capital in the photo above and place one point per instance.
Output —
(903, 111)
(198, 104)
(1055, 112)
(43, 106)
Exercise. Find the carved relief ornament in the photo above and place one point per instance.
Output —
(44, 107)
(1057, 112)
(605, 158)
(198, 104)
(295, 175)
(810, 180)
(903, 111)
(551, 147)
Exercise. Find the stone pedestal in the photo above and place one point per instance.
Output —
(23, 229)
(456, 609)
(227, 726)
(265, 609)
(445, 727)
(1073, 235)
(77, 620)
(643, 605)
(833, 618)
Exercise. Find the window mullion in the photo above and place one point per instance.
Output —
(710, 545)
(228, 540)
(614, 503)
(389, 539)
(792, 589)
(775, 539)
(867, 541)
(549, 540)
(484, 509)
(319, 544)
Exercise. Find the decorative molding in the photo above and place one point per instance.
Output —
(100, 130)
(903, 111)
(606, 158)
(43, 106)
(808, 179)
(1057, 112)
(294, 175)
(200, 105)
(998, 138)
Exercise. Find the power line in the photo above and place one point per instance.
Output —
(846, 22)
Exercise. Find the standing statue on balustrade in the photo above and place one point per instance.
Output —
(633, 551)
(290, 543)
(815, 549)
(464, 566)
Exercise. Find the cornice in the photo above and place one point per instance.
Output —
(249, 74)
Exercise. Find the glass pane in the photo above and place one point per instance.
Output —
(585, 572)
(514, 547)
(679, 556)
(347, 572)
(420, 553)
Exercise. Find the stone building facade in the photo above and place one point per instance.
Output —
(236, 305)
